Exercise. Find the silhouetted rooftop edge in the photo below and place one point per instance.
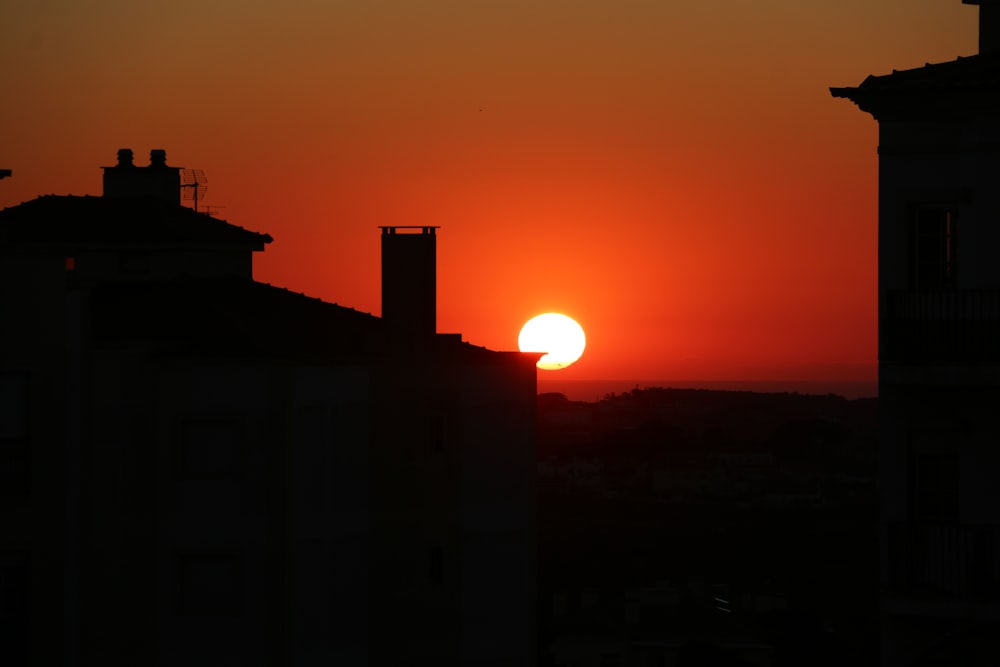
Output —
(228, 316)
(977, 75)
(117, 220)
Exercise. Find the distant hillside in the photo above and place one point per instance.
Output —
(675, 493)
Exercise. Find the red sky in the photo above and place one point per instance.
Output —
(673, 175)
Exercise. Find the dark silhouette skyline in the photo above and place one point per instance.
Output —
(200, 468)
(939, 350)
(679, 525)
(620, 147)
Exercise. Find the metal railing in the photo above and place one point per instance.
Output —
(961, 326)
(944, 561)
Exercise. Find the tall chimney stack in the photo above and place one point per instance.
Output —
(409, 280)
(989, 24)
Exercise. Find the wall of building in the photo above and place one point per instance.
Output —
(939, 162)
(498, 427)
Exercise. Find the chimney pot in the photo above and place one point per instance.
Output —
(157, 180)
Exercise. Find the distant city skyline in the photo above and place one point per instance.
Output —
(676, 178)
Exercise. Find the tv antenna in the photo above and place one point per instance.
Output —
(193, 185)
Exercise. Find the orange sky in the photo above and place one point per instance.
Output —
(674, 175)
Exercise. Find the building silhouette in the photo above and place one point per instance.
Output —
(197, 468)
(939, 352)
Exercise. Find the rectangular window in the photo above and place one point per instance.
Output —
(934, 477)
(14, 608)
(932, 244)
(435, 566)
(13, 405)
(436, 434)
(13, 435)
(134, 262)
(13, 467)
(209, 449)
(210, 584)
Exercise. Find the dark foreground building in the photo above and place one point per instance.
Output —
(200, 469)
(939, 353)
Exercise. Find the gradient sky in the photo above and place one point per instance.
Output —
(674, 175)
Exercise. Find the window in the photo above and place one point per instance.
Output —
(435, 566)
(934, 477)
(134, 262)
(209, 449)
(210, 584)
(13, 435)
(932, 243)
(13, 467)
(14, 608)
(13, 405)
(436, 434)
(610, 660)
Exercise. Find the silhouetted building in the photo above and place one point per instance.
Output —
(200, 469)
(939, 347)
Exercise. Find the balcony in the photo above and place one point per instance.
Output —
(951, 327)
(944, 562)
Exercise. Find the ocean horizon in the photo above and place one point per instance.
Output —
(595, 390)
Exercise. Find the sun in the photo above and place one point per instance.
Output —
(556, 334)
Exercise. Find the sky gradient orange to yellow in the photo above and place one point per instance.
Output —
(673, 175)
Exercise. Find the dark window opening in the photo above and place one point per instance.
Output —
(134, 262)
(209, 449)
(13, 435)
(13, 467)
(610, 660)
(934, 479)
(13, 405)
(14, 608)
(436, 434)
(932, 242)
(210, 584)
(435, 565)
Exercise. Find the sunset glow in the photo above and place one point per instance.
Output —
(676, 175)
(558, 335)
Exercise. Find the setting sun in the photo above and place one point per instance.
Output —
(556, 334)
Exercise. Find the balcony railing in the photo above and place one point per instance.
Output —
(961, 326)
(944, 561)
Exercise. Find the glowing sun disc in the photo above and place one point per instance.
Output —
(559, 336)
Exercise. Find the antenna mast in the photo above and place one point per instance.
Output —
(193, 184)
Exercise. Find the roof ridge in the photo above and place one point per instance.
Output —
(144, 219)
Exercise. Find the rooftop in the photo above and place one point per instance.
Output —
(116, 221)
(228, 317)
(946, 86)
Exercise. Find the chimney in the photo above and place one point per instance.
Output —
(989, 24)
(409, 280)
(157, 180)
